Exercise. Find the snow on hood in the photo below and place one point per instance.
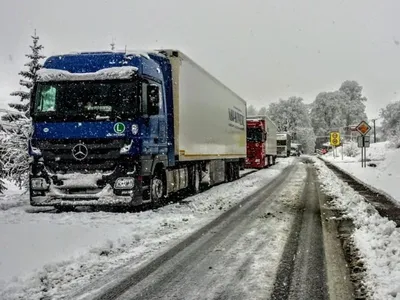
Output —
(125, 72)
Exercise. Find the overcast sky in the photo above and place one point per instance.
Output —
(263, 50)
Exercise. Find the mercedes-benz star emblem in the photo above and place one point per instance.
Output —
(80, 151)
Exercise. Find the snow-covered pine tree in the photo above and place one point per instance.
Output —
(28, 78)
(16, 127)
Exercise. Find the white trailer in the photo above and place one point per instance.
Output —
(272, 150)
(283, 144)
(209, 122)
(209, 118)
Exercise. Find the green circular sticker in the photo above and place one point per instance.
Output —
(119, 127)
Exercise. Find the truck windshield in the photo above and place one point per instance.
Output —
(281, 142)
(254, 134)
(86, 99)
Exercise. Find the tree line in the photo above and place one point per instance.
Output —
(335, 110)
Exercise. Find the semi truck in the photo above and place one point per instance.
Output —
(127, 128)
(261, 142)
(296, 149)
(284, 144)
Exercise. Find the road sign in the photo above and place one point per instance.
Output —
(363, 141)
(363, 128)
(335, 138)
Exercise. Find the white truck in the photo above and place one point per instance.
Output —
(272, 143)
(284, 144)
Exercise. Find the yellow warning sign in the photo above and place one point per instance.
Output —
(335, 138)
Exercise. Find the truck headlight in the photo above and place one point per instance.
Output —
(39, 184)
(124, 183)
(135, 129)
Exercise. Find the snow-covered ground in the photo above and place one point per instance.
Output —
(385, 176)
(376, 237)
(51, 254)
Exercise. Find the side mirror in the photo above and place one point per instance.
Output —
(153, 99)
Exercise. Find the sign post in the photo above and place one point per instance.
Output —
(363, 141)
(342, 149)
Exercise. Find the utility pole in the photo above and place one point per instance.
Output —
(373, 120)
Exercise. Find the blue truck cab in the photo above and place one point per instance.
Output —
(100, 126)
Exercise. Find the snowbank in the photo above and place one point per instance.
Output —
(50, 255)
(12, 197)
(376, 237)
(385, 176)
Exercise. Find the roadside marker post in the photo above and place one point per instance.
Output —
(363, 141)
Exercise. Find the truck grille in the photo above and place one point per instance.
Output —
(92, 155)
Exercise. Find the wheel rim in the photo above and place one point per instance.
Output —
(157, 188)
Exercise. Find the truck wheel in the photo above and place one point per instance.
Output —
(157, 189)
(230, 172)
(236, 169)
(195, 179)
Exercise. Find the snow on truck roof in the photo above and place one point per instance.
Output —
(103, 74)
(260, 117)
(102, 65)
(143, 53)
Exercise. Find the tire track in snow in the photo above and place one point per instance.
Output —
(302, 271)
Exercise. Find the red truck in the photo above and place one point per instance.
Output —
(261, 142)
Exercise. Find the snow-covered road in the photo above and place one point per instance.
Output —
(53, 254)
(236, 258)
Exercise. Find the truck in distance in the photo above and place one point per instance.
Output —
(284, 144)
(261, 142)
(126, 128)
(296, 149)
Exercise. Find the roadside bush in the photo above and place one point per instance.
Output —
(350, 149)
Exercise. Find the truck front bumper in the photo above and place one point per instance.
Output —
(106, 197)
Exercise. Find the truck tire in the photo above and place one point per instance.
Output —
(230, 172)
(158, 188)
(236, 168)
(195, 181)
